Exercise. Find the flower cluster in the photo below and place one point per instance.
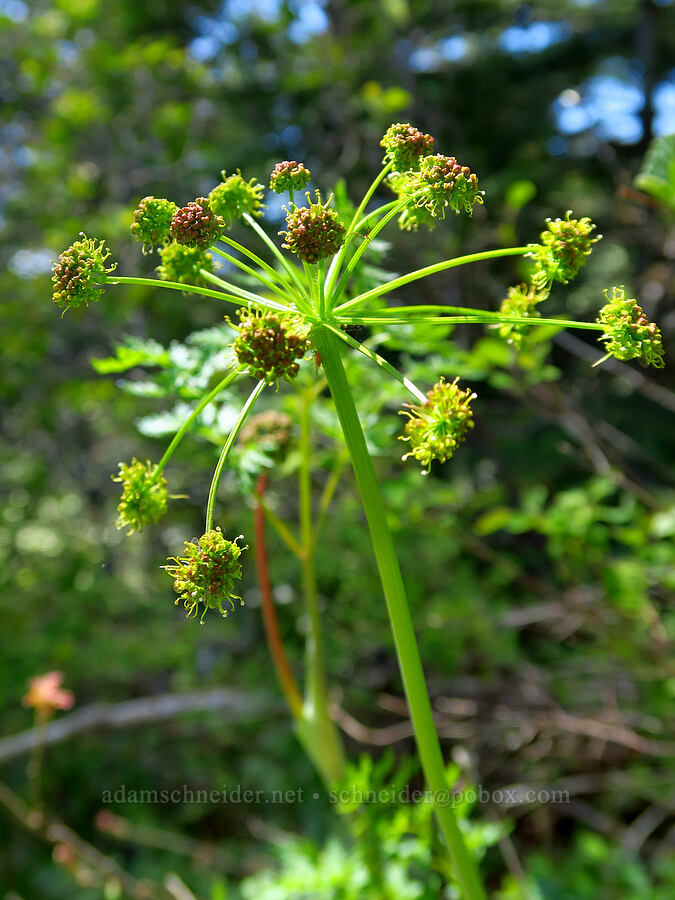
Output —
(439, 183)
(563, 249)
(207, 573)
(78, 275)
(152, 221)
(45, 693)
(269, 345)
(183, 264)
(144, 495)
(313, 232)
(521, 301)
(289, 175)
(235, 196)
(405, 145)
(196, 225)
(443, 182)
(270, 432)
(438, 426)
(628, 332)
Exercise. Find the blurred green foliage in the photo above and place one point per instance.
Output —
(540, 561)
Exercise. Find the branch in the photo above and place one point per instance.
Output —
(132, 712)
(55, 832)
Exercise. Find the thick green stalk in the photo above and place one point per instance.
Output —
(399, 614)
(203, 403)
(430, 270)
(317, 728)
(231, 438)
(380, 361)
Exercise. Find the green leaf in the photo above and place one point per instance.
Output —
(130, 353)
(657, 176)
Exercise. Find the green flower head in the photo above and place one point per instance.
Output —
(235, 196)
(197, 225)
(289, 175)
(628, 332)
(438, 426)
(413, 216)
(405, 145)
(152, 221)
(313, 232)
(207, 572)
(440, 183)
(521, 301)
(144, 495)
(80, 272)
(271, 432)
(183, 264)
(563, 249)
(269, 345)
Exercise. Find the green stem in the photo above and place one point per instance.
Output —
(176, 286)
(292, 271)
(319, 729)
(34, 768)
(431, 270)
(320, 287)
(328, 492)
(481, 318)
(249, 296)
(376, 358)
(354, 261)
(375, 212)
(423, 309)
(282, 530)
(203, 403)
(243, 415)
(337, 260)
(311, 285)
(399, 614)
(256, 259)
(259, 276)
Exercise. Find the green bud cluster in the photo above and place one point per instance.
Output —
(313, 232)
(152, 221)
(144, 495)
(289, 175)
(628, 332)
(269, 345)
(440, 182)
(405, 145)
(444, 182)
(563, 249)
(207, 573)
(183, 264)
(196, 225)
(235, 196)
(78, 275)
(522, 301)
(270, 431)
(438, 426)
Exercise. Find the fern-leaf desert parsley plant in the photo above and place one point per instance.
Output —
(304, 299)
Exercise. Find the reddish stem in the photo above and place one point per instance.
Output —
(285, 675)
